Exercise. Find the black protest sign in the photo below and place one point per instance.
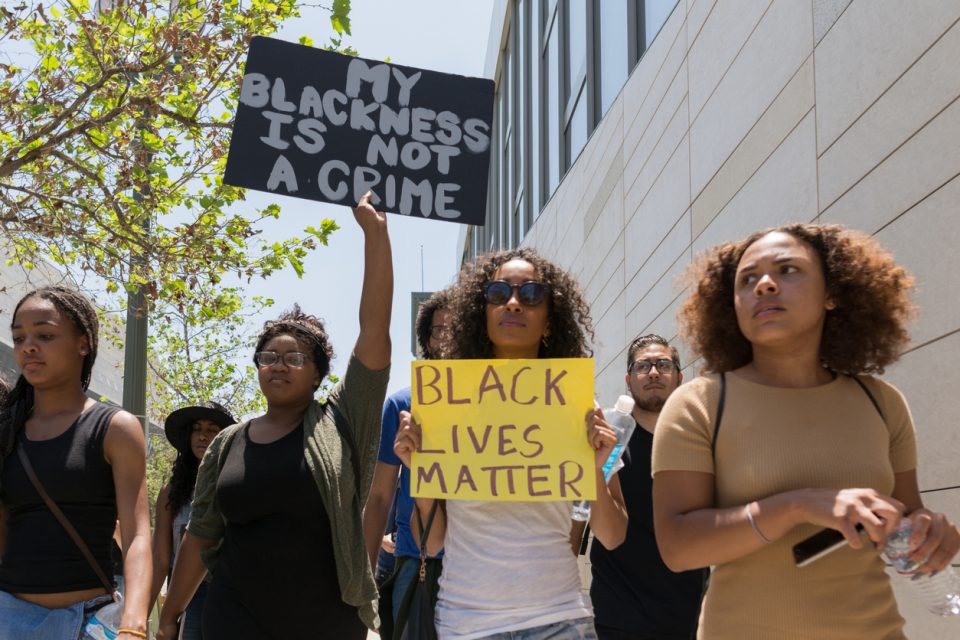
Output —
(323, 126)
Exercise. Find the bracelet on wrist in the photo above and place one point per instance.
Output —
(753, 524)
(132, 632)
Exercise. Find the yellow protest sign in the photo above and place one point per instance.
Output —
(503, 429)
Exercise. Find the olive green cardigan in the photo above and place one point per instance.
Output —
(359, 396)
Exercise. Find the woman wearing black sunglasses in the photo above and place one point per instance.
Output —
(508, 567)
(277, 508)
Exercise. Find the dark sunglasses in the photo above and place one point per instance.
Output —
(529, 294)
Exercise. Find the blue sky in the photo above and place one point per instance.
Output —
(441, 35)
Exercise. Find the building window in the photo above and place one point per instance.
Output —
(576, 116)
(562, 67)
(551, 100)
(613, 55)
(534, 88)
(655, 14)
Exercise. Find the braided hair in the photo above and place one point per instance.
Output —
(18, 404)
(307, 330)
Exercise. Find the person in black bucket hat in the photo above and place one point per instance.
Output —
(190, 430)
(179, 424)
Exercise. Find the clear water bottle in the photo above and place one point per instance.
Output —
(103, 624)
(620, 419)
(940, 593)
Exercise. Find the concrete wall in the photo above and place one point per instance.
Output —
(750, 113)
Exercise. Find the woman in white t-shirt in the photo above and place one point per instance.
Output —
(508, 566)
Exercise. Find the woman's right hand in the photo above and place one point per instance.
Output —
(408, 438)
(844, 509)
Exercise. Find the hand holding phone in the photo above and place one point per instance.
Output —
(818, 545)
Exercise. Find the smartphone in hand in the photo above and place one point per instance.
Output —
(819, 545)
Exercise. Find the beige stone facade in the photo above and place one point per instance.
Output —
(743, 114)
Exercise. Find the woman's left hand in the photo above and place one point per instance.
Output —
(941, 540)
(601, 437)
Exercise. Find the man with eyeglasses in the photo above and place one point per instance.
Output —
(433, 330)
(635, 596)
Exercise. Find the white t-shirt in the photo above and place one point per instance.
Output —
(507, 566)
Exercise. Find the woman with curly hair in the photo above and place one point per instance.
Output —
(90, 459)
(277, 508)
(190, 430)
(789, 434)
(508, 570)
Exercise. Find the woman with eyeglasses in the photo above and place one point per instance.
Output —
(790, 322)
(508, 566)
(277, 510)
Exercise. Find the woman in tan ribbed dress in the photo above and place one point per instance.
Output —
(793, 319)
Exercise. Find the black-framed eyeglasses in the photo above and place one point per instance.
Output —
(529, 293)
(440, 331)
(663, 365)
(270, 358)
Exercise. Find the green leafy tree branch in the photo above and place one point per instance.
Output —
(114, 136)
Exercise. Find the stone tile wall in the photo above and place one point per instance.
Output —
(750, 113)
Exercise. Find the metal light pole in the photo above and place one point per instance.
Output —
(135, 344)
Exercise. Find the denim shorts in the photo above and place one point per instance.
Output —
(578, 629)
(20, 619)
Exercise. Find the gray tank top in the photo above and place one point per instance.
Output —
(179, 528)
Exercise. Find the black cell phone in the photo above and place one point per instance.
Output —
(819, 545)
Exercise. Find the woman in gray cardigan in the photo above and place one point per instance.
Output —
(277, 510)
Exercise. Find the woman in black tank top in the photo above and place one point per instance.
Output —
(90, 457)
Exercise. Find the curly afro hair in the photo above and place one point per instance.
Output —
(308, 331)
(865, 332)
(439, 300)
(569, 315)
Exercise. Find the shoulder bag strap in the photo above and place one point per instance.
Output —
(424, 533)
(716, 423)
(873, 399)
(58, 514)
(344, 430)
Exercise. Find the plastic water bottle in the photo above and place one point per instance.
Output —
(103, 624)
(940, 593)
(620, 419)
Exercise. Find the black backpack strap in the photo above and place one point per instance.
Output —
(870, 395)
(344, 430)
(716, 422)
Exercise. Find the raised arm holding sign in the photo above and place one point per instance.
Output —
(501, 435)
